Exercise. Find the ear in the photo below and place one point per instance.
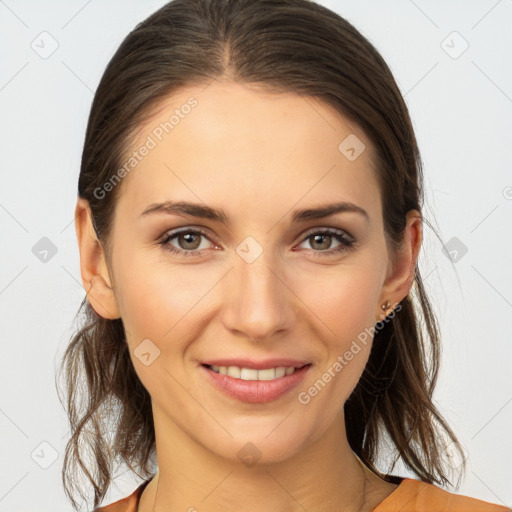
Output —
(93, 267)
(400, 273)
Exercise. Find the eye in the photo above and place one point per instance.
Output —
(188, 242)
(321, 241)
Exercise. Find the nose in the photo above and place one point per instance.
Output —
(258, 303)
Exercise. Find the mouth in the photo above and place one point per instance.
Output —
(255, 385)
(252, 374)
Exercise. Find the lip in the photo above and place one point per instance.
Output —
(257, 365)
(255, 391)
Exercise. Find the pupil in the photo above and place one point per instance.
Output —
(326, 237)
(188, 237)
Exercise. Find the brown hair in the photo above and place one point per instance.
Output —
(283, 46)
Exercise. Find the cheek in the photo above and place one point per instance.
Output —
(154, 296)
(344, 299)
(156, 303)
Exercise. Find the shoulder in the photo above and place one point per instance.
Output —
(128, 504)
(415, 496)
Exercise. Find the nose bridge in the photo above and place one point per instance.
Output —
(259, 302)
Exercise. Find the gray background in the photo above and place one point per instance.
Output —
(460, 103)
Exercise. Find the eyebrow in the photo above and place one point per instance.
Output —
(218, 215)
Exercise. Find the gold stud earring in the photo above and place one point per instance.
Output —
(386, 306)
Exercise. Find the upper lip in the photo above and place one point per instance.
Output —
(257, 365)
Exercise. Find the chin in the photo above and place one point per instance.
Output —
(264, 444)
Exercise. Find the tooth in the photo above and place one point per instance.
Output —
(268, 374)
(248, 374)
(233, 371)
(280, 372)
(252, 374)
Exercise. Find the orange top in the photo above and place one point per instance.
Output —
(410, 496)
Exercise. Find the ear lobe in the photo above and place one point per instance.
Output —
(93, 267)
(401, 275)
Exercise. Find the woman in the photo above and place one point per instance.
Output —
(249, 223)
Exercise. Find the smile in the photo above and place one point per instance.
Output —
(253, 385)
(251, 374)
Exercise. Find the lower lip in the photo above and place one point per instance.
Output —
(256, 391)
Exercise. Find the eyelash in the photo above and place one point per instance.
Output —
(345, 243)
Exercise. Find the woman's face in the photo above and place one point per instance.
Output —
(263, 282)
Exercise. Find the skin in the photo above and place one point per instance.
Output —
(258, 156)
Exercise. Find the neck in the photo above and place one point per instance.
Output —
(325, 475)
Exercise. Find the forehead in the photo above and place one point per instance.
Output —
(232, 142)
